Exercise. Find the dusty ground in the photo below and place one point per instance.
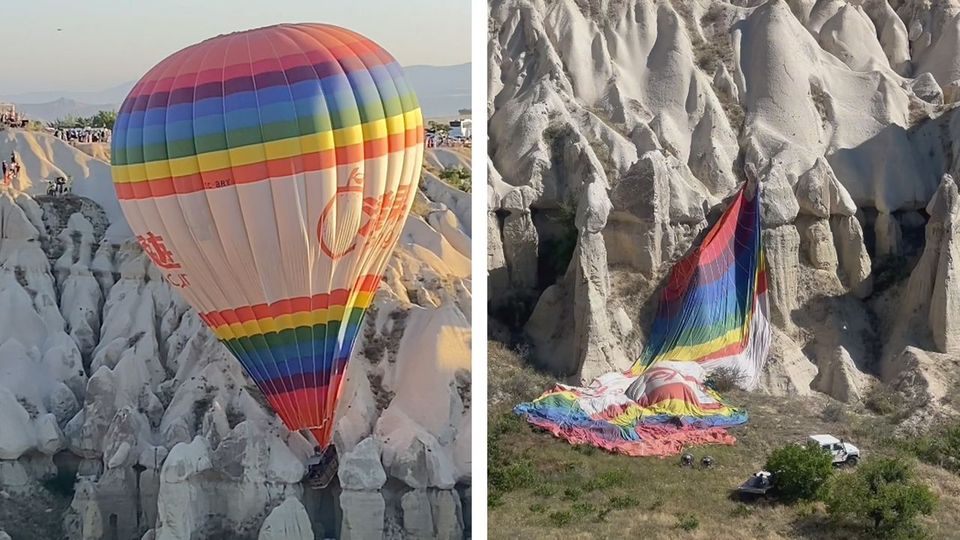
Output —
(541, 487)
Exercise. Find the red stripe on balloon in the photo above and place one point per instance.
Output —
(338, 297)
(241, 67)
(254, 172)
(310, 407)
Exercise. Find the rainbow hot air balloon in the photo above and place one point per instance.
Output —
(268, 174)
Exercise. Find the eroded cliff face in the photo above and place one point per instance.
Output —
(618, 128)
(120, 409)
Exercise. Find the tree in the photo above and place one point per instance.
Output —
(104, 119)
(884, 494)
(799, 472)
(63, 123)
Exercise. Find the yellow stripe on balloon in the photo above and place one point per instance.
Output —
(289, 322)
(257, 153)
(687, 353)
(672, 407)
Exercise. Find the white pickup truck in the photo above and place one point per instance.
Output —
(843, 453)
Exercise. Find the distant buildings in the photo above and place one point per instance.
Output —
(9, 116)
(452, 134)
(462, 129)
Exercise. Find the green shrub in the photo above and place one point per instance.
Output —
(687, 522)
(583, 508)
(799, 472)
(571, 494)
(546, 490)
(883, 496)
(741, 510)
(941, 448)
(882, 399)
(561, 518)
(724, 379)
(506, 471)
(608, 479)
(619, 502)
(457, 177)
(519, 474)
(834, 412)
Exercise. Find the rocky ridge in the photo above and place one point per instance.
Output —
(115, 398)
(618, 129)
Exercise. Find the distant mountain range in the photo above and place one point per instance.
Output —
(443, 91)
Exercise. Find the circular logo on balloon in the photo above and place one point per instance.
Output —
(344, 218)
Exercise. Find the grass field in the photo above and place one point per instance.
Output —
(542, 487)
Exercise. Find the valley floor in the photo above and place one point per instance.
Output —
(542, 487)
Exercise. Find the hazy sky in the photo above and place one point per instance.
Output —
(103, 43)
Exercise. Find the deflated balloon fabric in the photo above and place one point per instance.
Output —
(712, 314)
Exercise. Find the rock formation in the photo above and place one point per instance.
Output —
(619, 129)
(112, 386)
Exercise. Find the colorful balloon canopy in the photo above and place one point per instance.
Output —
(711, 315)
(268, 174)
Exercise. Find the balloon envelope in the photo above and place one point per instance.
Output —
(268, 174)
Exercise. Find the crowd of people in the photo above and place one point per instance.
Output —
(442, 139)
(10, 170)
(83, 135)
(58, 187)
(9, 116)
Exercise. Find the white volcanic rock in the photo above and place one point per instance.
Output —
(646, 116)
(782, 245)
(447, 514)
(839, 377)
(288, 521)
(889, 238)
(363, 514)
(892, 33)
(944, 211)
(417, 515)
(361, 468)
(942, 60)
(173, 438)
(924, 377)
(183, 504)
(520, 238)
(927, 89)
(850, 36)
(854, 260)
(820, 194)
(788, 371)
(778, 204)
(429, 514)
(822, 11)
(43, 157)
(816, 241)
(17, 434)
(413, 455)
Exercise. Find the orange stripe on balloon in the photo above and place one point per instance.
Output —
(339, 297)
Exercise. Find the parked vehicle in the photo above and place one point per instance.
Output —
(843, 453)
(758, 485)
